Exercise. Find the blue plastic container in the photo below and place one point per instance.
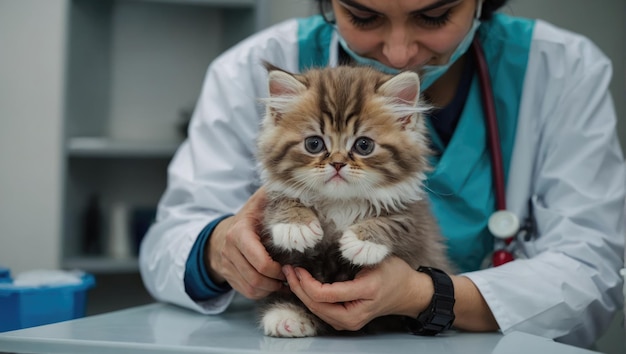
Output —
(5, 275)
(23, 307)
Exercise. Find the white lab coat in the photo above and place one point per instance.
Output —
(566, 158)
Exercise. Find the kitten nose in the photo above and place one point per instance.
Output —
(337, 165)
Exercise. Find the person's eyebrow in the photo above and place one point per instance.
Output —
(434, 6)
(430, 7)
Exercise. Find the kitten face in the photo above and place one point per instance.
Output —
(344, 133)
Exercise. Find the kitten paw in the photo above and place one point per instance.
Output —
(297, 237)
(361, 252)
(288, 322)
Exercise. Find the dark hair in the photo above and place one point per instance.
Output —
(489, 7)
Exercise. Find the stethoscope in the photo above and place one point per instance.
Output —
(502, 224)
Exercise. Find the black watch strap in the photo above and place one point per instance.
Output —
(439, 314)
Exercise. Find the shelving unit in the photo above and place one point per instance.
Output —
(134, 72)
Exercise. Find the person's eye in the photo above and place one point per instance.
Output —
(363, 146)
(434, 18)
(359, 18)
(314, 144)
(363, 21)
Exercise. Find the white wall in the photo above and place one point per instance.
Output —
(280, 10)
(32, 42)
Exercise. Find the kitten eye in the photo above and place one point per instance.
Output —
(314, 144)
(363, 146)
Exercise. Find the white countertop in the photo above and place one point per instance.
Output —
(161, 328)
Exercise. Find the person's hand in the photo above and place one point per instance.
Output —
(391, 287)
(237, 256)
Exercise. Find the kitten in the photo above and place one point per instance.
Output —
(343, 154)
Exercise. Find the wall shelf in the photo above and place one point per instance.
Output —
(109, 148)
(101, 265)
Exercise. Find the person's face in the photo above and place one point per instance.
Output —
(404, 34)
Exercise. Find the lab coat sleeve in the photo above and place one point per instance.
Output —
(213, 173)
(569, 155)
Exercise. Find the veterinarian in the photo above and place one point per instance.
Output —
(561, 163)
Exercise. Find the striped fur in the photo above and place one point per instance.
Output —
(338, 210)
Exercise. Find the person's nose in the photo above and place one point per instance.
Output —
(399, 47)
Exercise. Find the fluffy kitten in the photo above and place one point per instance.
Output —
(343, 153)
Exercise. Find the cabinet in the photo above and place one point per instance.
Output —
(134, 71)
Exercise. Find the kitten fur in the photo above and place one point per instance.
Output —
(336, 209)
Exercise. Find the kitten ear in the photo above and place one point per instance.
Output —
(404, 92)
(405, 87)
(283, 89)
(284, 84)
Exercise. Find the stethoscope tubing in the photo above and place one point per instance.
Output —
(491, 124)
(500, 256)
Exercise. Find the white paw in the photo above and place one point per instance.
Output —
(297, 237)
(289, 321)
(360, 252)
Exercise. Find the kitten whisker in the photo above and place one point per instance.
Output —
(434, 192)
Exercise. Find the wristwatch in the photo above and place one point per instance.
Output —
(439, 314)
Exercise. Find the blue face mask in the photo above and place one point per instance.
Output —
(429, 73)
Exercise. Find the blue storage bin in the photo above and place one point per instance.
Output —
(5, 275)
(23, 307)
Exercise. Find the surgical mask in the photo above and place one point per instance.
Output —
(429, 73)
